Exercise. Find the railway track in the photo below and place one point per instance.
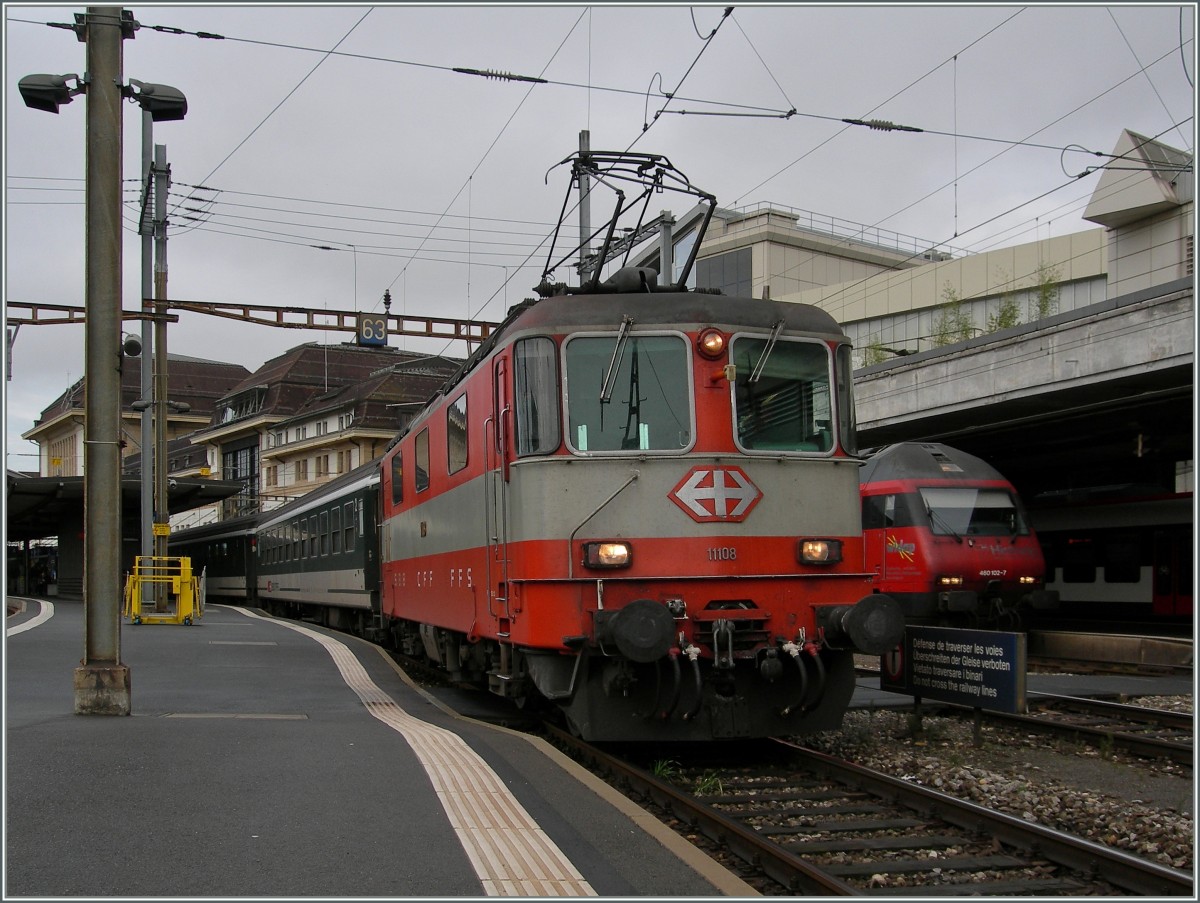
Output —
(1138, 730)
(803, 822)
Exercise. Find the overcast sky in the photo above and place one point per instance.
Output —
(346, 127)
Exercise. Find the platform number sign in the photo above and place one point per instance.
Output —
(372, 329)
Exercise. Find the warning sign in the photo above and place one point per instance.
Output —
(980, 668)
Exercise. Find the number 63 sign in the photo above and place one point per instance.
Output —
(372, 329)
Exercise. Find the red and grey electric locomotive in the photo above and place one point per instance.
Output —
(949, 538)
(640, 502)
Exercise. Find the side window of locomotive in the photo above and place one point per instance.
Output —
(397, 478)
(631, 395)
(782, 399)
(537, 421)
(456, 435)
(877, 511)
(421, 475)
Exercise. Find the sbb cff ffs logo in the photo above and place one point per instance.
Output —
(716, 494)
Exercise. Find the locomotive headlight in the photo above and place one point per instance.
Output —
(607, 554)
(711, 343)
(1028, 581)
(946, 580)
(819, 551)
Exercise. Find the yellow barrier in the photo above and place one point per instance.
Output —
(184, 601)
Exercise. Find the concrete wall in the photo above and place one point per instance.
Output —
(1152, 252)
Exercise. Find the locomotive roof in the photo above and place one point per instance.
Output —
(925, 461)
(569, 312)
(577, 311)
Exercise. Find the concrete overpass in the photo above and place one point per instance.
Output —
(1100, 396)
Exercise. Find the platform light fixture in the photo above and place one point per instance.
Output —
(162, 102)
(49, 92)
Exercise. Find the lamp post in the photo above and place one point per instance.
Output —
(102, 682)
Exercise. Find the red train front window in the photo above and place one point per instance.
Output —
(629, 392)
(782, 395)
(967, 511)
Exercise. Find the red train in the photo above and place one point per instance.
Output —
(640, 502)
(949, 539)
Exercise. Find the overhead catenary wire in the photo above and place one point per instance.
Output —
(485, 156)
(1149, 80)
(210, 35)
(840, 291)
(285, 99)
(989, 160)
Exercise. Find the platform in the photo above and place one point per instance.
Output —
(269, 758)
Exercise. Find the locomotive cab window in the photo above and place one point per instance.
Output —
(456, 435)
(782, 395)
(964, 511)
(885, 511)
(397, 478)
(421, 475)
(628, 393)
(537, 419)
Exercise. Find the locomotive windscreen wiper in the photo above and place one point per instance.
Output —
(941, 521)
(606, 387)
(762, 361)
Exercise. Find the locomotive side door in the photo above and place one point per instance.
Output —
(497, 443)
(878, 515)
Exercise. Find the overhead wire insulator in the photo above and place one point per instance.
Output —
(882, 125)
(501, 76)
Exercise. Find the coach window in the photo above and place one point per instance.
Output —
(324, 532)
(1123, 556)
(349, 543)
(781, 395)
(421, 476)
(628, 392)
(456, 435)
(397, 478)
(537, 425)
(335, 530)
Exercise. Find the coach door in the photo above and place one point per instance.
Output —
(1172, 572)
(497, 443)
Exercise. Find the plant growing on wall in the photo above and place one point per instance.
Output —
(1046, 289)
(1008, 314)
(873, 353)
(953, 323)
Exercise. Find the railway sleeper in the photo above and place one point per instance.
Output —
(1029, 887)
(914, 866)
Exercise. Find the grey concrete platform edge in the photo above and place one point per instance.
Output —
(721, 878)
